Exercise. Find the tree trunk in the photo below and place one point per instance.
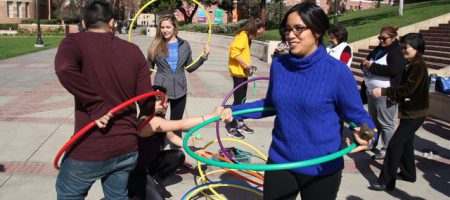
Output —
(400, 8)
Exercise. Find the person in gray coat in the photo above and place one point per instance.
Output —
(172, 56)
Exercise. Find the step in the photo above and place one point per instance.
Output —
(437, 43)
(360, 54)
(444, 54)
(437, 34)
(356, 71)
(434, 31)
(430, 38)
(435, 65)
(365, 50)
(437, 59)
(439, 28)
(438, 48)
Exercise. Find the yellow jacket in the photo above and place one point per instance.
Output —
(239, 47)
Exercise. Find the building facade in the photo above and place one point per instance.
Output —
(14, 11)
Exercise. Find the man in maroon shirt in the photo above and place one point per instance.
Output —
(101, 71)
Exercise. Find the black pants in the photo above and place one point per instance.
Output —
(177, 107)
(285, 185)
(239, 95)
(141, 183)
(400, 153)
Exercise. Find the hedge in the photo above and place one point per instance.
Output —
(8, 26)
(216, 28)
(42, 21)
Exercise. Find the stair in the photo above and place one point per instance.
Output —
(437, 54)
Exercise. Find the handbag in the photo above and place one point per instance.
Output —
(443, 84)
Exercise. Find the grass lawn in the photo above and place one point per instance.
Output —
(11, 46)
(366, 23)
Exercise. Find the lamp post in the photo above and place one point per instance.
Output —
(39, 41)
(336, 4)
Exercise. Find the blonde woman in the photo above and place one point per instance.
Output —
(171, 55)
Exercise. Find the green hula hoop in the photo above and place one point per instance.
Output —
(258, 167)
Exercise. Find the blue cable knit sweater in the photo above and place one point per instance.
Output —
(309, 95)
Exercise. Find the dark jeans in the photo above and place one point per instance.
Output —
(76, 177)
(285, 185)
(239, 96)
(141, 180)
(177, 107)
(400, 153)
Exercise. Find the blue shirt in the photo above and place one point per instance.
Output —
(309, 95)
(172, 59)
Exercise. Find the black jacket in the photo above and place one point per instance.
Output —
(412, 92)
(395, 64)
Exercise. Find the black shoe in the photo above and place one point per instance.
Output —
(400, 177)
(380, 187)
(162, 190)
(245, 129)
(233, 132)
(378, 156)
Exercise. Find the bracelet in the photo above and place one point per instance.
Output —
(203, 118)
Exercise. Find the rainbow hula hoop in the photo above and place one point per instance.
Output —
(223, 104)
(258, 167)
(199, 5)
(84, 130)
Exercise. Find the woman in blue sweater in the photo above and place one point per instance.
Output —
(310, 90)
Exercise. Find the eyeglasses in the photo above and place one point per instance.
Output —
(298, 30)
(383, 38)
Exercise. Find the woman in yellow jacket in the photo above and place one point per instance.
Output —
(239, 65)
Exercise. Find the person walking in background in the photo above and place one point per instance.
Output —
(171, 55)
(101, 71)
(308, 107)
(383, 68)
(339, 47)
(412, 95)
(240, 67)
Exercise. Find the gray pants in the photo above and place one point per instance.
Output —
(383, 117)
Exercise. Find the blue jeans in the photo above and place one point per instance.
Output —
(76, 177)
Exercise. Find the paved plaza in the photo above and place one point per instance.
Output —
(36, 119)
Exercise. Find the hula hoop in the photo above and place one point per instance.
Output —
(199, 5)
(223, 104)
(259, 167)
(195, 190)
(84, 130)
(252, 173)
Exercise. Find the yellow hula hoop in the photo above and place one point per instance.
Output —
(199, 5)
(222, 185)
(202, 174)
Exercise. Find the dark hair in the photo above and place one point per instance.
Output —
(390, 30)
(97, 14)
(313, 16)
(251, 27)
(415, 40)
(160, 88)
(339, 32)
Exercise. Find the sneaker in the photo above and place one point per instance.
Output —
(162, 190)
(233, 132)
(378, 156)
(245, 129)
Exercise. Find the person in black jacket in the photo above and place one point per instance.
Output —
(383, 68)
(412, 95)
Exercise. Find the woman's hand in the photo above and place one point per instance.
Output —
(226, 115)
(206, 49)
(376, 92)
(218, 111)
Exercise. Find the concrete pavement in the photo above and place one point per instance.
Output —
(36, 119)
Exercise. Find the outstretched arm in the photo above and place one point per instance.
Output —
(159, 124)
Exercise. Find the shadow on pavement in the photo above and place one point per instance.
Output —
(2, 168)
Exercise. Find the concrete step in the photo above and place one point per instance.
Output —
(437, 34)
(437, 43)
(356, 71)
(438, 48)
(361, 54)
(432, 38)
(444, 54)
(435, 65)
(437, 59)
(439, 28)
(434, 31)
(365, 50)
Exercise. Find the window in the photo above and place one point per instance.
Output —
(27, 6)
(9, 9)
(19, 10)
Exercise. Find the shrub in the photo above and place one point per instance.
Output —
(216, 28)
(49, 32)
(42, 21)
(8, 26)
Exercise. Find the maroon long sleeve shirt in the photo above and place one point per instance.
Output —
(102, 71)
